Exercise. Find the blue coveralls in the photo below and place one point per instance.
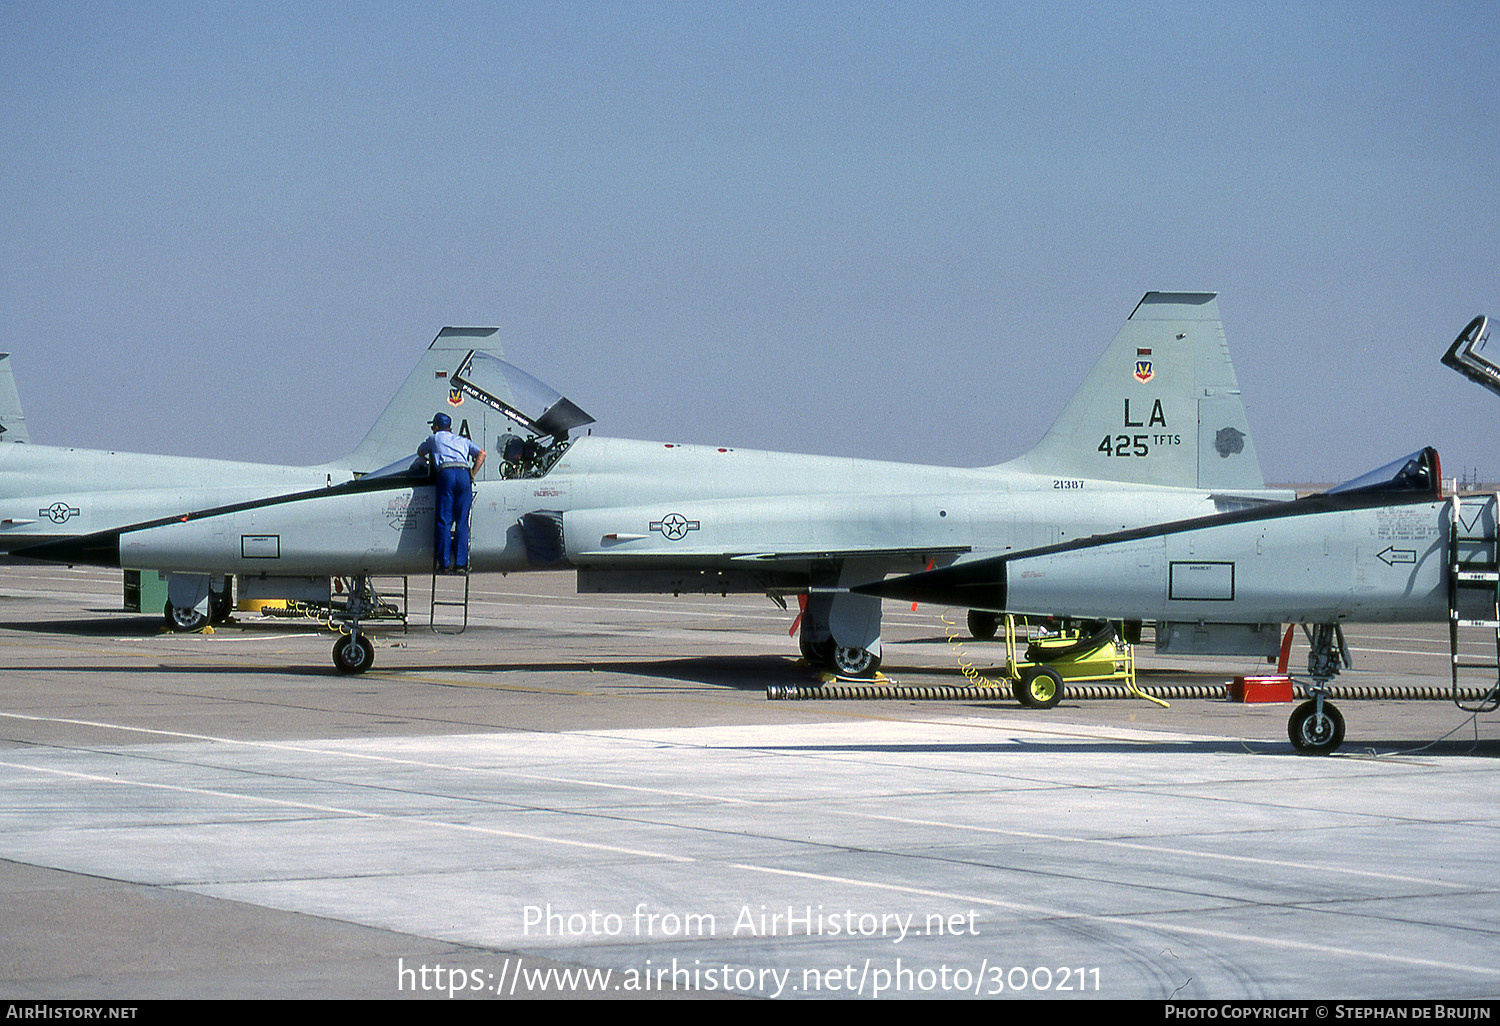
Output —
(455, 494)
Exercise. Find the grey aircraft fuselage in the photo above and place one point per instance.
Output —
(1366, 557)
(1156, 432)
(51, 493)
(635, 506)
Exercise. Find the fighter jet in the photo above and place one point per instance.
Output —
(51, 494)
(1155, 433)
(1386, 547)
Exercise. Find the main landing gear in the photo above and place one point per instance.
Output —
(191, 615)
(851, 661)
(184, 619)
(843, 660)
(816, 641)
(982, 625)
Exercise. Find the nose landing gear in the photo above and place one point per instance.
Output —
(1316, 726)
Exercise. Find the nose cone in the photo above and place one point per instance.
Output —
(976, 585)
(101, 549)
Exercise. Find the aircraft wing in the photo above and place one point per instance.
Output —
(827, 554)
(751, 530)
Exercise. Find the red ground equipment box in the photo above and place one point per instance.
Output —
(1261, 689)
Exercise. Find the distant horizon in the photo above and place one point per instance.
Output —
(894, 231)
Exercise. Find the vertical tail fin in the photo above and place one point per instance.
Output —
(1161, 407)
(427, 390)
(12, 421)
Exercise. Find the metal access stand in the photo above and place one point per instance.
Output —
(1473, 551)
(1474, 567)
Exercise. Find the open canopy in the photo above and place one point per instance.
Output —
(1470, 356)
(538, 408)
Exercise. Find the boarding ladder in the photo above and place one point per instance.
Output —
(1474, 569)
(446, 594)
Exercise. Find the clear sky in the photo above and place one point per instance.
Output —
(900, 231)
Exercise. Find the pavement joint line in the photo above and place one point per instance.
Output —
(1139, 920)
(354, 813)
(726, 799)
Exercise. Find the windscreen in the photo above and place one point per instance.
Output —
(1418, 472)
(414, 467)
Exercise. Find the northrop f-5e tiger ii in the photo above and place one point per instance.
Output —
(1156, 433)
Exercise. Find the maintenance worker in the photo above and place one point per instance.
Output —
(450, 455)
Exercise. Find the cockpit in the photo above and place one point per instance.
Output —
(543, 417)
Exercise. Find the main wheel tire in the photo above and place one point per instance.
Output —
(353, 654)
(183, 620)
(982, 625)
(855, 662)
(817, 653)
(1312, 734)
(1040, 687)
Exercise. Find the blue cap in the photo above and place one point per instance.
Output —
(442, 422)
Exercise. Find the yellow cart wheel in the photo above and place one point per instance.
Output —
(1039, 687)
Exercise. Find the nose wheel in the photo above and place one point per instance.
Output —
(353, 653)
(352, 650)
(1316, 727)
